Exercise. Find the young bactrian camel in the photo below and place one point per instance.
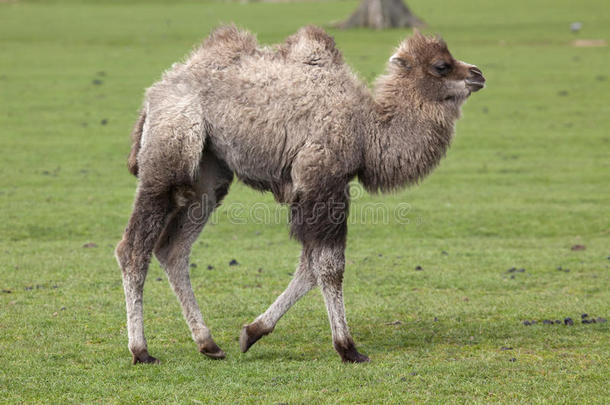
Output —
(291, 119)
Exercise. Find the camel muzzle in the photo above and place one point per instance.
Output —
(475, 81)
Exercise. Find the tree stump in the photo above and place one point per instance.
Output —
(380, 14)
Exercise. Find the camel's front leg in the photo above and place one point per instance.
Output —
(302, 281)
(328, 265)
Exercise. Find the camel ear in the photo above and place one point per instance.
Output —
(440, 40)
(398, 61)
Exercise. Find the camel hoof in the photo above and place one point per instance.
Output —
(349, 354)
(144, 358)
(250, 334)
(356, 358)
(211, 350)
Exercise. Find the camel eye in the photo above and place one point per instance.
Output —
(442, 68)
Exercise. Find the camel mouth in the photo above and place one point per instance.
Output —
(455, 97)
(474, 85)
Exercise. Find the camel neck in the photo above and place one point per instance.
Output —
(408, 140)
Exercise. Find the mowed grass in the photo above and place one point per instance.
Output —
(526, 179)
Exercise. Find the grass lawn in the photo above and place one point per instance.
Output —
(526, 179)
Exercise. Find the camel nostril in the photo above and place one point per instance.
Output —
(476, 74)
(475, 70)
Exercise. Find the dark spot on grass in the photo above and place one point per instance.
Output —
(260, 270)
(394, 323)
(419, 268)
(485, 110)
(601, 78)
(6, 291)
(193, 265)
(512, 360)
(557, 322)
(562, 93)
(53, 173)
(512, 277)
(104, 121)
(89, 245)
(515, 270)
(583, 316)
(101, 73)
(210, 267)
(97, 82)
(159, 279)
(527, 323)
(576, 248)
(568, 322)
(28, 288)
(233, 262)
(506, 348)
(601, 320)
(414, 373)
(548, 322)
(435, 319)
(444, 253)
(62, 308)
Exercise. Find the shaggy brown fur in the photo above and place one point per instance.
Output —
(291, 119)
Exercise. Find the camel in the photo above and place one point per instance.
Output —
(292, 119)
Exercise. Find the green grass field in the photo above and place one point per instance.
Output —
(526, 179)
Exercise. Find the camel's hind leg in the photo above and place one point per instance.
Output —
(174, 245)
(172, 142)
(133, 253)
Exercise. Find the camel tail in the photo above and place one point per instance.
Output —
(136, 137)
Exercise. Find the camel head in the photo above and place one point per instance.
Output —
(425, 67)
